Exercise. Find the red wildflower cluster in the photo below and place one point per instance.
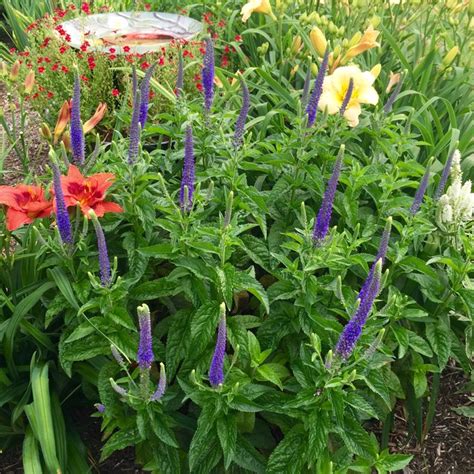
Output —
(85, 8)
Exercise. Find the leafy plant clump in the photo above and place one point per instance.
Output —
(288, 266)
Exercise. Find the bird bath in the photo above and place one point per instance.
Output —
(141, 32)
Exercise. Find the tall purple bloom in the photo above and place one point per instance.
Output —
(208, 75)
(180, 76)
(353, 329)
(187, 181)
(393, 97)
(145, 94)
(347, 97)
(216, 370)
(78, 144)
(145, 355)
(444, 175)
(312, 107)
(240, 123)
(160, 390)
(134, 130)
(321, 225)
(104, 263)
(306, 85)
(381, 254)
(420, 193)
(62, 215)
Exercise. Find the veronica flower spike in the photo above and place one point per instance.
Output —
(145, 94)
(353, 329)
(134, 130)
(420, 193)
(208, 75)
(321, 224)
(160, 390)
(187, 181)
(313, 103)
(78, 145)
(216, 370)
(62, 215)
(104, 262)
(244, 111)
(381, 254)
(145, 355)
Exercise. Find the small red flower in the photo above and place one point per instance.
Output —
(144, 65)
(84, 78)
(221, 24)
(112, 50)
(147, 7)
(238, 38)
(68, 38)
(54, 67)
(126, 49)
(50, 95)
(41, 69)
(199, 87)
(161, 61)
(115, 92)
(63, 49)
(112, 57)
(64, 69)
(85, 8)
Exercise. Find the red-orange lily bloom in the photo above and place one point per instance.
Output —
(88, 192)
(25, 203)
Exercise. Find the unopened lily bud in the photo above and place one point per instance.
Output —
(45, 132)
(15, 71)
(375, 21)
(450, 55)
(296, 45)
(355, 39)
(96, 118)
(332, 28)
(63, 120)
(337, 51)
(294, 70)
(3, 69)
(314, 69)
(29, 82)
(375, 71)
(318, 40)
(66, 141)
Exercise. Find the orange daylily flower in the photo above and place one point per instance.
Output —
(367, 41)
(25, 203)
(88, 192)
(96, 118)
(29, 82)
(63, 120)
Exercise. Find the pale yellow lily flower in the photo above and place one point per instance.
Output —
(367, 41)
(256, 6)
(335, 88)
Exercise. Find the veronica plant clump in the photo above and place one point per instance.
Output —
(226, 329)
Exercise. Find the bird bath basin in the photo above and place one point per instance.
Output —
(141, 32)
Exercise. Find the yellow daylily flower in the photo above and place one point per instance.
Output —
(335, 88)
(367, 41)
(256, 6)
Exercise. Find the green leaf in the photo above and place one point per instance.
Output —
(177, 341)
(377, 384)
(247, 457)
(160, 426)
(152, 290)
(289, 455)
(64, 286)
(30, 455)
(273, 373)
(394, 462)
(204, 442)
(439, 336)
(120, 440)
(419, 344)
(203, 326)
(244, 281)
(357, 440)
(227, 433)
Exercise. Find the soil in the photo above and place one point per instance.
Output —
(449, 446)
(37, 147)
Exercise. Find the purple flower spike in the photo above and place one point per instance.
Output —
(120, 390)
(62, 215)
(393, 97)
(208, 75)
(216, 370)
(104, 263)
(160, 390)
(347, 97)
(134, 130)
(353, 329)
(187, 181)
(117, 356)
(240, 123)
(145, 355)
(145, 94)
(180, 77)
(312, 107)
(100, 407)
(420, 193)
(381, 254)
(78, 144)
(321, 225)
(444, 175)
